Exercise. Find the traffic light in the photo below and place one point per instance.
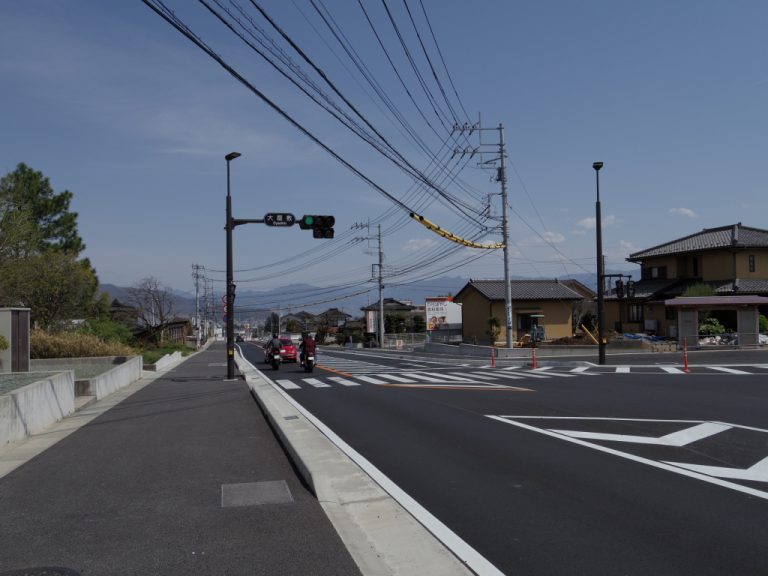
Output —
(620, 288)
(321, 226)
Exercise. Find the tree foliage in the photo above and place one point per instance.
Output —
(39, 249)
(154, 306)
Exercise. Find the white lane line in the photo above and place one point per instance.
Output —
(397, 378)
(370, 380)
(288, 385)
(580, 369)
(316, 383)
(343, 381)
(671, 370)
(728, 370)
(622, 369)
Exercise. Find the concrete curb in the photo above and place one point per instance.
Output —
(380, 534)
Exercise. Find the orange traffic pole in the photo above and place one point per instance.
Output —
(534, 358)
(493, 358)
(685, 355)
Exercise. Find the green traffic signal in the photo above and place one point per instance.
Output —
(321, 226)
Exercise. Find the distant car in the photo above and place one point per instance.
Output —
(288, 350)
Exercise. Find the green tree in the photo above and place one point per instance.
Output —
(29, 193)
(418, 324)
(55, 285)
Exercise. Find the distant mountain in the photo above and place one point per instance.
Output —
(256, 305)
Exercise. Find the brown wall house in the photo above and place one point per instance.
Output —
(732, 260)
(555, 300)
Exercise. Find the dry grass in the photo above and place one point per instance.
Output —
(73, 345)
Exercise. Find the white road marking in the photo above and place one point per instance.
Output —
(580, 369)
(727, 370)
(370, 379)
(316, 383)
(556, 374)
(498, 374)
(656, 464)
(423, 377)
(672, 370)
(448, 377)
(755, 473)
(478, 375)
(622, 369)
(679, 438)
(343, 381)
(397, 378)
(288, 385)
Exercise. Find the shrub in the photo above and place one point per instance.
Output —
(74, 345)
(107, 330)
(3, 343)
(153, 354)
(711, 326)
(763, 324)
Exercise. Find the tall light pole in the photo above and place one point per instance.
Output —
(600, 271)
(230, 279)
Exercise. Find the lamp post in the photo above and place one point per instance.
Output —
(600, 271)
(230, 279)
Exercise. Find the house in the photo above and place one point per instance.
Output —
(731, 260)
(331, 318)
(547, 305)
(392, 308)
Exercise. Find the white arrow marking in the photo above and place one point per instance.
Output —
(757, 473)
(679, 438)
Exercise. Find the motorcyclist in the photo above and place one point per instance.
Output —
(308, 347)
(273, 344)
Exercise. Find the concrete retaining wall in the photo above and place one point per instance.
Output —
(116, 378)
(32, 408)
(525, 353)
(165, 362)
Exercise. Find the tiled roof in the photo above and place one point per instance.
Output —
(735, 236)
(665, 289)
(523, 290)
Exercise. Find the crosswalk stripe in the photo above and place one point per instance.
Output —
(397, 378)
(513, 376)
(423, 377)
(316, 383)
(548, 374)
(728, 370)
(622, 369)
(371, 380)
(580, 369)
(343, 381)
(288, 385)
(448, 377)
(477, 375)
(672, 370)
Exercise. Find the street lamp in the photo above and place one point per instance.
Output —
(230, 279)
(600, 271)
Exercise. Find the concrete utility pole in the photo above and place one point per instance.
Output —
(381, 292)
(501, 176)
(600, 270)
(197, 276)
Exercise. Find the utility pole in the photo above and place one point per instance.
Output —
(501, 177)
(196, 275)
(380, 323)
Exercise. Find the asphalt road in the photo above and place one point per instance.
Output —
(633, 468)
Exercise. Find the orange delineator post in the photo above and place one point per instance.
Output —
(534, 358)
(493, 358)
(685, 355)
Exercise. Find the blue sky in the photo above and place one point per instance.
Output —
(113, 104)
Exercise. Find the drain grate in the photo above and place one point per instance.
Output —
(255, 494)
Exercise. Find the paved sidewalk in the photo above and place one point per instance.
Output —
(183, 477)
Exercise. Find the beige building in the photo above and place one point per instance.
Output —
(732, 260)
(547, 305)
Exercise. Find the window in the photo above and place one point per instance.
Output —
(695, 267)
(635, 312)
(751, 262)
(655, 273)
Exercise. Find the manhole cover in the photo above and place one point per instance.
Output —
(42, 571)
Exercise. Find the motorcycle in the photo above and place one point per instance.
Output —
(275, 359)
(308, 362)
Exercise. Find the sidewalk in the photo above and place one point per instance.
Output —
(178, 474)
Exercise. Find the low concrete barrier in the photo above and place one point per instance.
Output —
(32, 408)
(116, 378)
(165, 362)
(542, 351)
